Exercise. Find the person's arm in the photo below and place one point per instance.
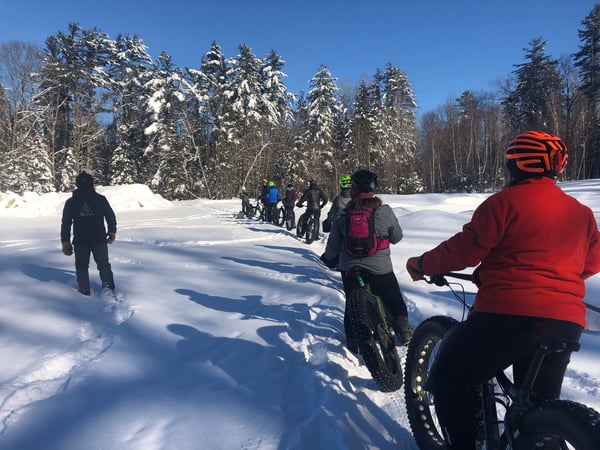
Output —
(592, 260)
(66, 222)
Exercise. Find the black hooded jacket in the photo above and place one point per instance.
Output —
(86, 210)
(314, 197)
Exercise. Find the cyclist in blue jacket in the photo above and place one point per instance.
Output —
(272, 198)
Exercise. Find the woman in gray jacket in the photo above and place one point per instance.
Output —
(376, 269)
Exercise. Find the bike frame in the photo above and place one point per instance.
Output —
(381, 309)
(515, 400)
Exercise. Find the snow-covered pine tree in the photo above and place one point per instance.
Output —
(321, 114)
(167, 157)
(128, 71)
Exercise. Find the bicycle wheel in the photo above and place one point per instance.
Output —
(375, 344)
(310, 229)
(557, 425)
(256, 212)
(279, 216)
(289, 220)
(419, 402)
(301, 228)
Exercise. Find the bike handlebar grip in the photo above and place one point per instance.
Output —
(438, 280)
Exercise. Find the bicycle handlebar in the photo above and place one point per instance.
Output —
(440, 279)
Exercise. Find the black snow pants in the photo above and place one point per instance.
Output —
(476, 349)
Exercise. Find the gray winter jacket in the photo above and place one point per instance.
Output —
(386, 226)
(339, 203)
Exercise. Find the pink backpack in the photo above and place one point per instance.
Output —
(361, 238)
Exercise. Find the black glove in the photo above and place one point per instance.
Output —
(110, 238)
(67, 248)
(330, 263)
(299, 205)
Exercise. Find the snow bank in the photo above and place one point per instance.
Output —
(123, 197)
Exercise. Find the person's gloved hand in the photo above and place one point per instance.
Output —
(67, 248)
(110, 238)
(299, 205)
(413, 267)
(330, 263)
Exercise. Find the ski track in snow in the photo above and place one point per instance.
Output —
(55, 371)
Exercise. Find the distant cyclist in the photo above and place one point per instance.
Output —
(533, 246)
(315, 200)
(339, 203)
(289, 202)
(272, 198)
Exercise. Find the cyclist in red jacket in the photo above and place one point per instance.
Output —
(534, 246)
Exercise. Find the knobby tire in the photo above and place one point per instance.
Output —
(419, 403)
(556, 423)
(301, 227)
(310, 229)
(376, 345)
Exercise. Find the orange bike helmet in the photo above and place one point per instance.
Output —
(537, 153)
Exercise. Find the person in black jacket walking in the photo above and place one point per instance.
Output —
(87, 211)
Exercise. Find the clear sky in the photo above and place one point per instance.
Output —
(444, 46)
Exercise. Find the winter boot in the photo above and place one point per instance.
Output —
(402, 328)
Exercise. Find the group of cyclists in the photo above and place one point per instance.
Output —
(270, 196)
(532, 245)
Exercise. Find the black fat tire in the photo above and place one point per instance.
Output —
(289, 220)
(279, 214)
(256, 212)
(419, 403)
(310, 229)
(379, 354)
(301, 228)
(552, 423)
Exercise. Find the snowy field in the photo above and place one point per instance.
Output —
(228, 335)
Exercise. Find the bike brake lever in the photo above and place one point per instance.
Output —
(438, 280)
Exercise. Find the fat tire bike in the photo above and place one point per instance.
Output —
(370, 322)
(289, 217)
(308, 227)
(259, 211)
(247, 209)
(279, 215)
(519, 423)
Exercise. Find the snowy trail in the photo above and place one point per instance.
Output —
(60, 366)
(229, 335)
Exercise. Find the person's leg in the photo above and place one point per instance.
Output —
(548, 383)
(82, 263)
(100, 253)
(470, 354)
(387, 288)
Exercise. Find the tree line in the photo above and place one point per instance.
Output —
(88, 102)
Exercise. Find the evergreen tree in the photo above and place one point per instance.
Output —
(129, 71)
(538, 92)
(588, 61)
(24, 161)
(167, 158)
(322, 110)
(71, 76)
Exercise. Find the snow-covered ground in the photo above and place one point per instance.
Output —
(229, 334)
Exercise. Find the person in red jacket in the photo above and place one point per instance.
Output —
(533, 246)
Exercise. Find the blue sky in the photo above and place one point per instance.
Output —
(444, 46)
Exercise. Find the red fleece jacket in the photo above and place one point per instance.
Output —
(535, 246)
